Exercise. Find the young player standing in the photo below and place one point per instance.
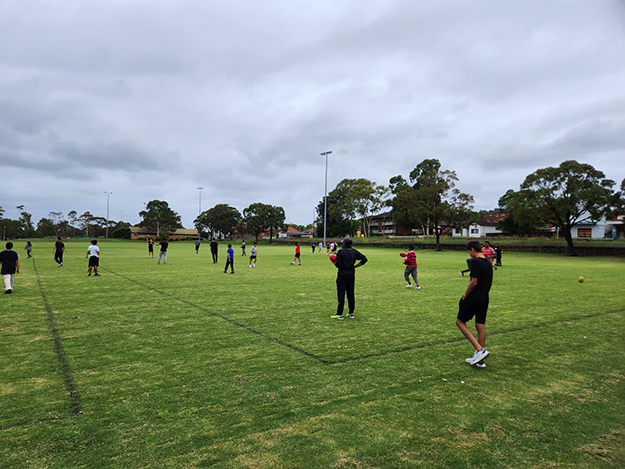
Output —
(320, 247)
(10, 265)
(214, 247)
(297, 255)
(197, 245)
(58, 250)
(150, 248)
(474, 302)
(489, 253)
(498, 253)
(229, 259)
(411, 268)
(253, 254)
(93, 253)
(163, 252)
(243, 248)
(346, 276)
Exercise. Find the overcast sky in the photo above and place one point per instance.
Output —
(152, 99)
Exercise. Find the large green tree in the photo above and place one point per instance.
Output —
(159, 217)
(26, 219)
(275, 220)
(45, 227)
(567, 195)
(255, 219)
(432, 201)
(222, 219)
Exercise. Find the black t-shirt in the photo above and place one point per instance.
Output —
(59, 247)
(214, 245)
(345, 260)
(482, 270)
(9, 260)
(163, 245)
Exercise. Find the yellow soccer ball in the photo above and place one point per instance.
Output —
(580, 280)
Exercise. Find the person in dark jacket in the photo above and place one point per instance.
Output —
(346, 264)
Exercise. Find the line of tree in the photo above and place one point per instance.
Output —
(222, 220)
(57, 224)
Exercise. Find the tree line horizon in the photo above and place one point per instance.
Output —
(426, 200)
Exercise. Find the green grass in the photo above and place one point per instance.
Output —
(179, 365)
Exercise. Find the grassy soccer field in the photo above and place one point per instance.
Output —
(179, 365)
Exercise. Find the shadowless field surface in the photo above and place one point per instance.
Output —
(181, 365)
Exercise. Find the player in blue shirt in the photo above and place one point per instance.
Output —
(230, 259)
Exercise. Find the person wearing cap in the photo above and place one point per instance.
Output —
(347, 260)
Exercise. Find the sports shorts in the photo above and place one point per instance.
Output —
(297, 255)
(94, 261)
(468, 310)
(252, 257)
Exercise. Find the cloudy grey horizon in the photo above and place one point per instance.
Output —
(151, 100)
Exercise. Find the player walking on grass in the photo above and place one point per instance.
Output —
(29, 248)
(297, 255)
(229, 259)
(253, 254)
(474, 303)
(411, 268)
(345, 262)
(243, 248)
(197, 245)
(58, 250)
(10, 265)
(93, 253)
(163, 252)
(150, 248)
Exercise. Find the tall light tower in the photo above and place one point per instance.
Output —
(325, 198)
(107, 212)
(199, 212)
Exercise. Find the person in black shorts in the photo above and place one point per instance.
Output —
(150, 248)
(58, 250)
(214, 245)
(474, 302)
(498, 253)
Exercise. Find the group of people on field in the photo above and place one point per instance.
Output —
(472, 305)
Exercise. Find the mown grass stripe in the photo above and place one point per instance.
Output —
(70, 383)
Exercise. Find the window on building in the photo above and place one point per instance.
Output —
(584, 233)
(474, 231)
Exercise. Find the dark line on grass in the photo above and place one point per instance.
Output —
(455, 341)
(231, 321)
(362, 357)
(68, 377)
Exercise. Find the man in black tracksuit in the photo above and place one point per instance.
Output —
(346, 260)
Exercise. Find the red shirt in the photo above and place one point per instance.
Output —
(411, 259)
(489, 253)
(297, 249)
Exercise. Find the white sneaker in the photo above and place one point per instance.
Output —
(479, 356)
(250, 266)
(409, 286)
(479, 365)
(418, 287)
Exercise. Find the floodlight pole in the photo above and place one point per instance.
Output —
(200, 205)
(107, 212)
(325, 198)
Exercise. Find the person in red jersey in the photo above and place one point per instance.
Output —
(297, 255)
(411, 268)
(489, 253)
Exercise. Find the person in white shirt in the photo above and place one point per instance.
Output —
(253, 254)
(93, 253)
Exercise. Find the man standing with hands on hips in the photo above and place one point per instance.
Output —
(474, 303)
(345, 262)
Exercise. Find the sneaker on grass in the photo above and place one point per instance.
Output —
(351, 316)
(461, 272)
(336, 316)
(479, 365)
(409, 285)
(418, 287)
(479, 356)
